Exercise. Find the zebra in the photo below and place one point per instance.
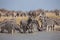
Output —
(50, 24)
(47, 23)
(10, 26)
(29, 25)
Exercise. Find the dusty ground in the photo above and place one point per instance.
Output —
(32, 36)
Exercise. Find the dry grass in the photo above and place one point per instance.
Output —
(18, 19)
(52, 15)
(57, 28)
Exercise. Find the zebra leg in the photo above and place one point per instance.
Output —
(9, 31)
(12, 31)
(53, 28)
(30, 29)
(2, 29)
(47, 28)
(24, 29)
(50, 28)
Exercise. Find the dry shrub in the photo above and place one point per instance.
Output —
(57, 28)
